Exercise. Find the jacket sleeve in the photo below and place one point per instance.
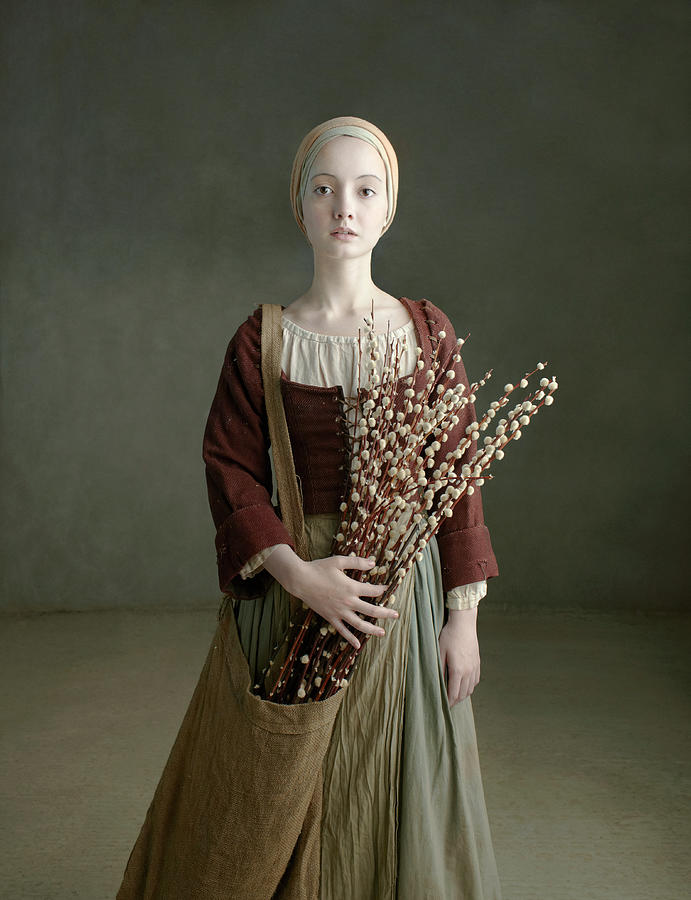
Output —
(235, 451)
(465, 548)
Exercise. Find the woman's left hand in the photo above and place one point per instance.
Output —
(460, 654)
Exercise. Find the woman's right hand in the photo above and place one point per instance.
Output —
(324, 586)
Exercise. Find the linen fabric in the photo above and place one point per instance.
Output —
(237, 809)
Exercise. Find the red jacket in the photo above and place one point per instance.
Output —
(238, 469)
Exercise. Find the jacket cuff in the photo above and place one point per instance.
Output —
(242, 535)
(466, 556)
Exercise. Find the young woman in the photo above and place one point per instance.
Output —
(403, 806)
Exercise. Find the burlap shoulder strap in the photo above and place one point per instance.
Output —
(289, 497)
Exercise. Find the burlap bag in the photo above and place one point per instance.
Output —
(237, 810)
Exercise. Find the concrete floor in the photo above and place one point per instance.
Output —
(582, 720)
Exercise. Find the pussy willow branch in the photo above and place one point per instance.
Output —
(392, 505)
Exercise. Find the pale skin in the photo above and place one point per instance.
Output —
(339, 297)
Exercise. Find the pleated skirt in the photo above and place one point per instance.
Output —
(404, 812)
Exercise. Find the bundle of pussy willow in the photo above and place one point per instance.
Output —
(394, 503)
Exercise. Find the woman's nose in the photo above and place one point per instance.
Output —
(343, 206)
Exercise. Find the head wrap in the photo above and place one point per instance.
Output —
(313, 142)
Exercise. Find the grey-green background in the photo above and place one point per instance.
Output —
(543, 153)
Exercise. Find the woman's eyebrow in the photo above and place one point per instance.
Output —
(321, 174)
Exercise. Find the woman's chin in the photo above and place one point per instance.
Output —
(341, 250)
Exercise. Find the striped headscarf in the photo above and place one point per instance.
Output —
(315, 139)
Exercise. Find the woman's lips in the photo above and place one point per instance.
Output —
(343, 235)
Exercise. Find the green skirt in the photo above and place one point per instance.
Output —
(404, 812)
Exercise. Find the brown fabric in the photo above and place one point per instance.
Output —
(237, 810)
(238, 469)
(239, 473)
(287, 486)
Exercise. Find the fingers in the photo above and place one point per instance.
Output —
(362, 625)
(374, 610)
(366, 589)
(355, 562)
(347, 634)
(465, 682)
(454, 685)
(363, 588)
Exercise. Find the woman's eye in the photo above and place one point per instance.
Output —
(322, 188)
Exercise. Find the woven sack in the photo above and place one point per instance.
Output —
(237, 810)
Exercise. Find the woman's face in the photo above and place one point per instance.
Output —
(346, 189)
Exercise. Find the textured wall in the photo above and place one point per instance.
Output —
(543, 161)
